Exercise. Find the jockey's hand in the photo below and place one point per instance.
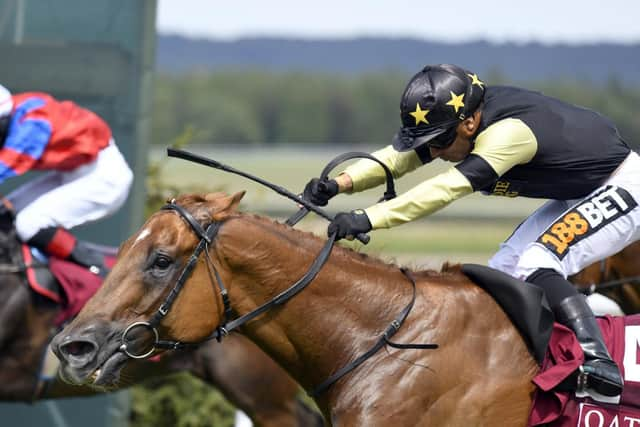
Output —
(349, 224)
(319, 191)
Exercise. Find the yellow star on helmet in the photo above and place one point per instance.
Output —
(475, 80)
(420, 115)
(456, 101)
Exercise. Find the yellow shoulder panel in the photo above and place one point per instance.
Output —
(505, 144)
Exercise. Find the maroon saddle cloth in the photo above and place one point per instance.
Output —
(68, 284)
(564, 355)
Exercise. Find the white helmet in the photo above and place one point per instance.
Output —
(6, 102)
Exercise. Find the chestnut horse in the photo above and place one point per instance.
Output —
(616, 277)
(245, 375)
(480, 375)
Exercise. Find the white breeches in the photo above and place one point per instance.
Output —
(568, 235)
(68, 199)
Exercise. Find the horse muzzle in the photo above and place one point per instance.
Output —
(89, 356)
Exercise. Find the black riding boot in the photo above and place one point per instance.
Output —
(61, 243)
(87, 257)
(602, 373)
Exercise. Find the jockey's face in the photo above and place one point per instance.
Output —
(462, 145)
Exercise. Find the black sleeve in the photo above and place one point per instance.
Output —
(478, 171)
(424, 154)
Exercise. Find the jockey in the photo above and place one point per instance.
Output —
(87, 179)
(511, 142)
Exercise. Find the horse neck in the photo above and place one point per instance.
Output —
(346, 305)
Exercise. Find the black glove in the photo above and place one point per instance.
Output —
(349, 224)
(319, 191)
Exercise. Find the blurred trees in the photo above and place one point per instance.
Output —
(252, 107)
(263, 108)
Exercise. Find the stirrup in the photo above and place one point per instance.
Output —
(588, 381)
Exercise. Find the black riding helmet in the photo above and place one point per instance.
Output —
(433, 103)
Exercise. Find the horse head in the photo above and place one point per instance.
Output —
(148, 266)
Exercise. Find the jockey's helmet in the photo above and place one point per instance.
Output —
(434, 102)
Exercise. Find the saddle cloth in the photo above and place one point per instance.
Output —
(564, 355)
(63, 282)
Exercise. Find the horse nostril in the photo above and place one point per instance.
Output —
(78, 348)
(78, 353)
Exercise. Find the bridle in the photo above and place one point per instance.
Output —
(207, 235)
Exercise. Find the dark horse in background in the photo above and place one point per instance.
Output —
(617, 277)
(480, 375)
(245, 375)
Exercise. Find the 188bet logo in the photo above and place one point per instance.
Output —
(585, 218)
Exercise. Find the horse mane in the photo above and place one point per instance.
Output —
(199, 205)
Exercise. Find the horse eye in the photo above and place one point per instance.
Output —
(162, 262)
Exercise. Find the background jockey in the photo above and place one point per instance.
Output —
(512, 142)
(87, 179)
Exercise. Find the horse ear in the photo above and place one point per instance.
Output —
(226, 206)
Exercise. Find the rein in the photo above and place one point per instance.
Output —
(635, 280)
(390, 192)
(595, 287)
(185, 155)
(207, 235)
(384, 339)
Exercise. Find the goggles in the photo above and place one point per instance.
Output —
(442, 137)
